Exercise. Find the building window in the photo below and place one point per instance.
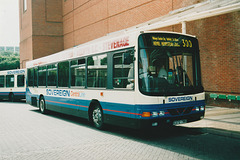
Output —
(24, 5)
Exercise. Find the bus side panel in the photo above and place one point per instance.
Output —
(31, 98)
(17, 95)
(68, 106)
(51, 105)
(119, 114)
(4, 95)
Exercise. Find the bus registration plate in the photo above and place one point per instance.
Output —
(179, 122)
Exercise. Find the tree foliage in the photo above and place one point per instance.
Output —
(9, 60)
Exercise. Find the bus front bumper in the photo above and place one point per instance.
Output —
(169, 121)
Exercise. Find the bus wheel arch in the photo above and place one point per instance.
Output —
(42, 104)
(95, 114)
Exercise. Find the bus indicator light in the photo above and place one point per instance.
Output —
(146, 114)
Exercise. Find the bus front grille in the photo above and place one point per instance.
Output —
(180, 111)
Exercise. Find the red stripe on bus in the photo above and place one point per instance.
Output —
(103, 109)
(68, 104)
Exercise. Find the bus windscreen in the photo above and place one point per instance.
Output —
(169, 65)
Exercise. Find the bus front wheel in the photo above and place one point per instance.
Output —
(42, 106)
(97, 117)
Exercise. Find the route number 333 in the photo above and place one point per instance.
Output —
(187, 43)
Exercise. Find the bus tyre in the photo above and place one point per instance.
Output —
(42, 106)
(97, 117)
(11, 97)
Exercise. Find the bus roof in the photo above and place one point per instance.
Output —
(113, 41)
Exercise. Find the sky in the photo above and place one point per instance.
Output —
(9, 23)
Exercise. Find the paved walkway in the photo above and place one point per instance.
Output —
(220, 120)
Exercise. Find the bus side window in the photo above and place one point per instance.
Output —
(42, 75)
(20, 80)
(97, 71)
(30, 77)
(123, 73)
(63, 74)
(2, 84)
(35, 77)
(10, 80)
(52, 75)
(78, 73)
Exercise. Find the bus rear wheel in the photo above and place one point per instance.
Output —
(97, 117)
(42, 106)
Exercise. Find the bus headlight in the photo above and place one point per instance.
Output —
(154, 114)
(197, 109)
(202, 108)
(161, 113)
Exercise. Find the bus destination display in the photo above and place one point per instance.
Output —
(163, 41)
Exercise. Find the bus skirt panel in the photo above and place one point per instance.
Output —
(17, 95)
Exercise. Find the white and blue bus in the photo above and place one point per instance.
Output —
(13, 84)
(138, 79)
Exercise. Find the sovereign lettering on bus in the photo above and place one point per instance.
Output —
(16, 72)
(58, 92)
(179, 99)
